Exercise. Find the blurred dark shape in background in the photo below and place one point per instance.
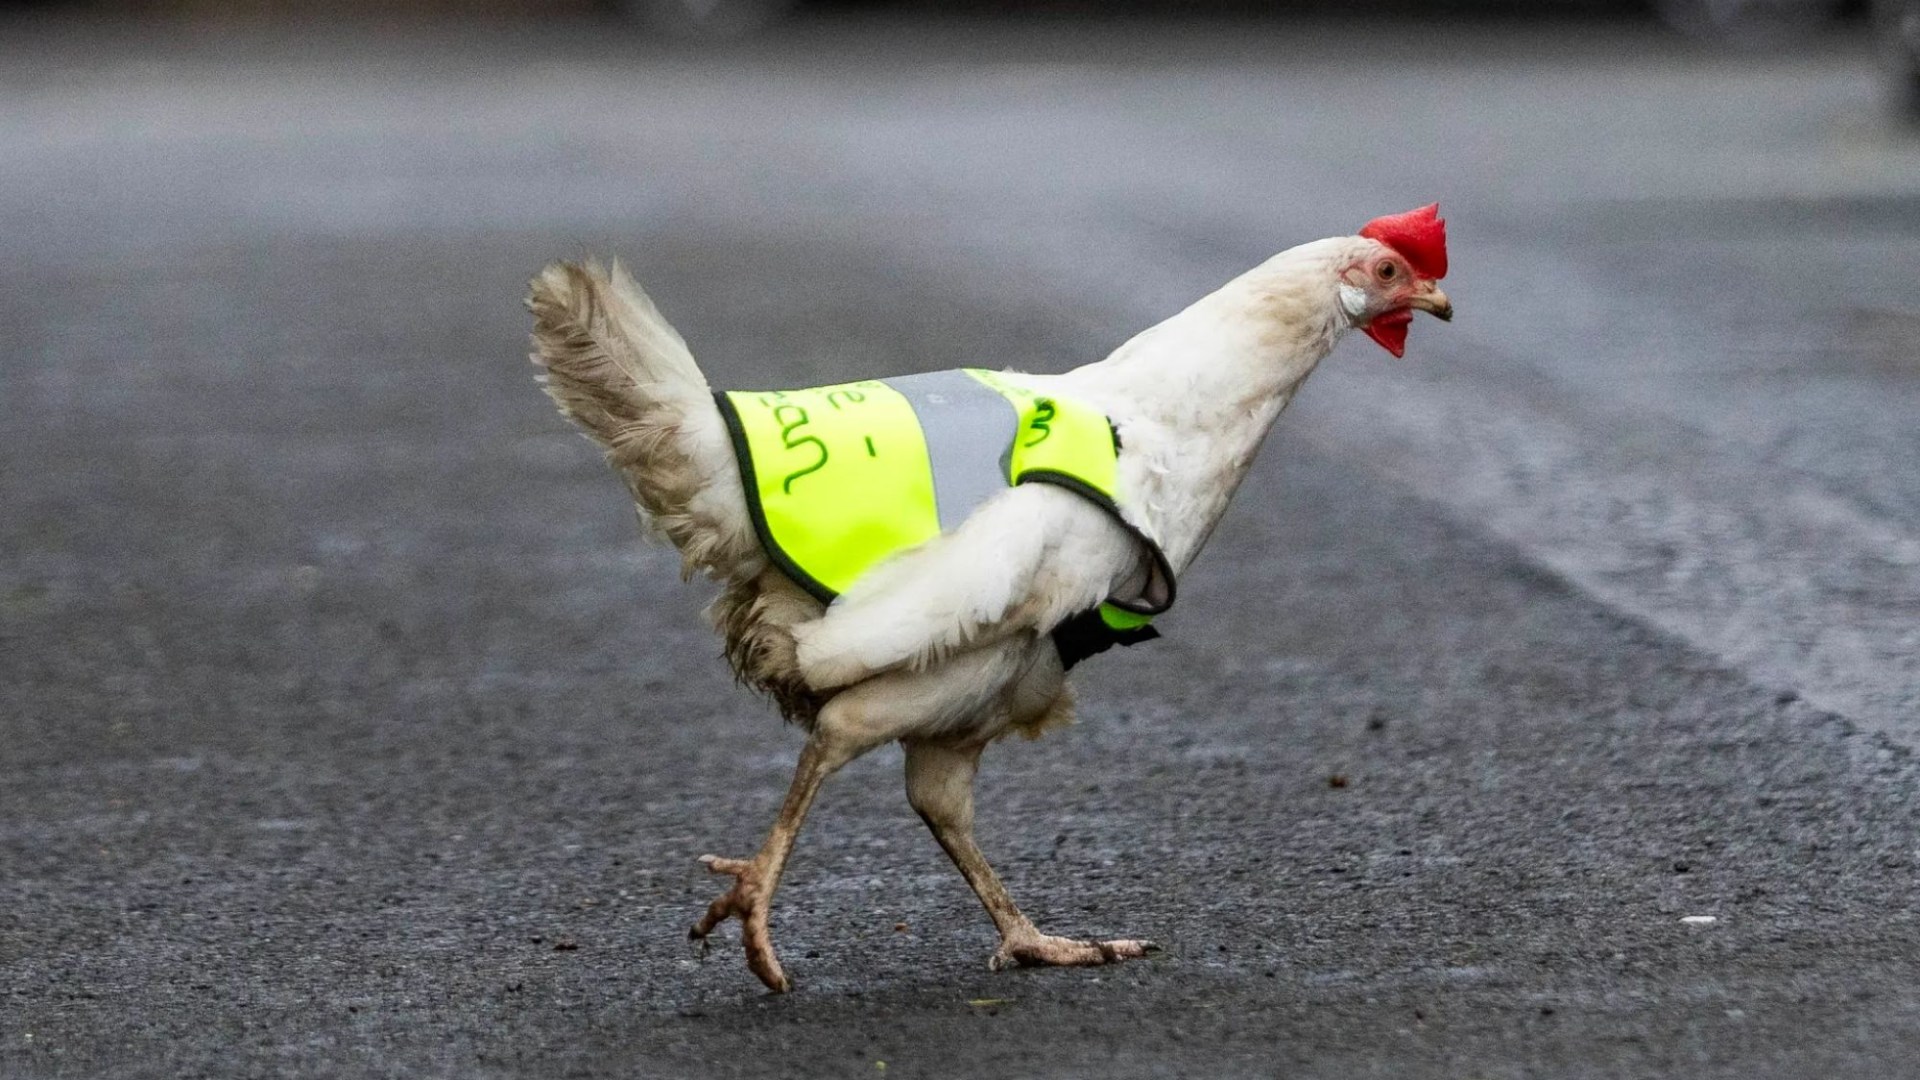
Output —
(1897, 26)
(1747, 23)
(1742, 22)
(1741, 25)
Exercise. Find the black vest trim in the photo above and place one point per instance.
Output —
(743, 454)
(1162, 569)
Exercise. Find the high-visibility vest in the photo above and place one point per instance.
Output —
(839, 478)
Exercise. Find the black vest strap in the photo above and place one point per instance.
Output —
(1087, 634)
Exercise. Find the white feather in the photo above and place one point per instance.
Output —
(1025, 561)
(1192, 397)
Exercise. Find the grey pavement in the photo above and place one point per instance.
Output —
(346, 727)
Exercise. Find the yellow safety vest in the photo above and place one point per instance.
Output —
(839, 478)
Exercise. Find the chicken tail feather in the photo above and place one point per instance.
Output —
(616, 367)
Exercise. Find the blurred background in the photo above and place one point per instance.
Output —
(346, 726)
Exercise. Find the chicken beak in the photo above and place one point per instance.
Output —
(1431, 300)
(1389, 329)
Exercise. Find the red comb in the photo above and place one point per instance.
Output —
(1420, 236)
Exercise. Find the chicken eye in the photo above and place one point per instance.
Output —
(1387, 271)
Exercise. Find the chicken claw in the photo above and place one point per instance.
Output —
(747, 901)
(1045, 950)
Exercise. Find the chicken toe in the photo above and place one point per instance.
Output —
(750, 901)
(1035, 949)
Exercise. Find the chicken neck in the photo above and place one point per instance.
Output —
(1195, 396)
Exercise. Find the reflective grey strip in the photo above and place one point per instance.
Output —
(967, 427)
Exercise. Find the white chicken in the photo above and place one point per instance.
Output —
(956, 641)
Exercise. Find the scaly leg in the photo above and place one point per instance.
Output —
(751, 898)
(852, 723)
(940, 787)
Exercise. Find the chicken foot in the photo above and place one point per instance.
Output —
(755, 880)
(940, 787)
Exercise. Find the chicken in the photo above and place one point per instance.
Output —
(959, 639)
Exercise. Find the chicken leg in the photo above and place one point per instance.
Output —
(940, 787)
(755, 880)
(850, 724)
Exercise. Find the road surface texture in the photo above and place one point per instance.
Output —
(346, 728)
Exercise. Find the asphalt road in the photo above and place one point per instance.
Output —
(347, 729)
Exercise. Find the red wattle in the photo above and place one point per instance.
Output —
(1390, 331)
